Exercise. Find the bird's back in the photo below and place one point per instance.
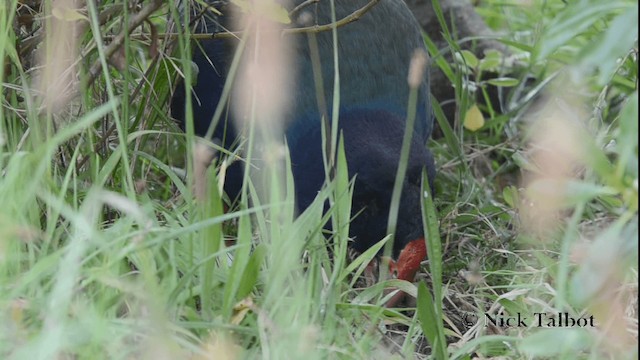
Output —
(374, 53)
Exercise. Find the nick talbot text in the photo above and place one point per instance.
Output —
(559, 320)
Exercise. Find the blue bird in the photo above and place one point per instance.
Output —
(374, 56)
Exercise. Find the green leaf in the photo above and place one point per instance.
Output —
(447, 130)
(491, 61)
(468, 58)
(357, 266)
(511, 196)
(613, 250)
(343, 192)
(503, 82)
(468, 347)
(627, 138)
(576, 19)
(615, 43)
(438, 59)
(240, 260)
(429, 322)
(431, 227)
(555, 342)
(252, 271)
(210, 239)
(513, 307)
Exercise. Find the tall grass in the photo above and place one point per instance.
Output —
(109, 250)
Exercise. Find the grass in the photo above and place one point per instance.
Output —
(108, 251)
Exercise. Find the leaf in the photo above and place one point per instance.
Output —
(474, 119)
(468, 58)
(210, 239)
(627, 138)
(523, 162)
(510, 196)
(468, 347)
(489, 64)
(605, 52)
(252, 271)
(550, 342)
(426, 313)
(610, 255)
(503, 82)
(375, 290)
(360, 263)
(514, 307)
(434, 253)
(438, 59)
(491, 61)
(429, 322)
(574, 20)
(449, 135)
(343, 193)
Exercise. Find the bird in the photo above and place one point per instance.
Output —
(374, 54)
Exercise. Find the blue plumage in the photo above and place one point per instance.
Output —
(373, 139)
(374, 56)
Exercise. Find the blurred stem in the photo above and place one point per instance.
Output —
(569, 236)
(122, 131)
(402, 168)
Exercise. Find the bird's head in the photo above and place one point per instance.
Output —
(373, 143)
(370, 225)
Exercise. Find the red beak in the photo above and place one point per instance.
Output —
(407, 266)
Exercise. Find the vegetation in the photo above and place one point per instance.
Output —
(108, 249)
